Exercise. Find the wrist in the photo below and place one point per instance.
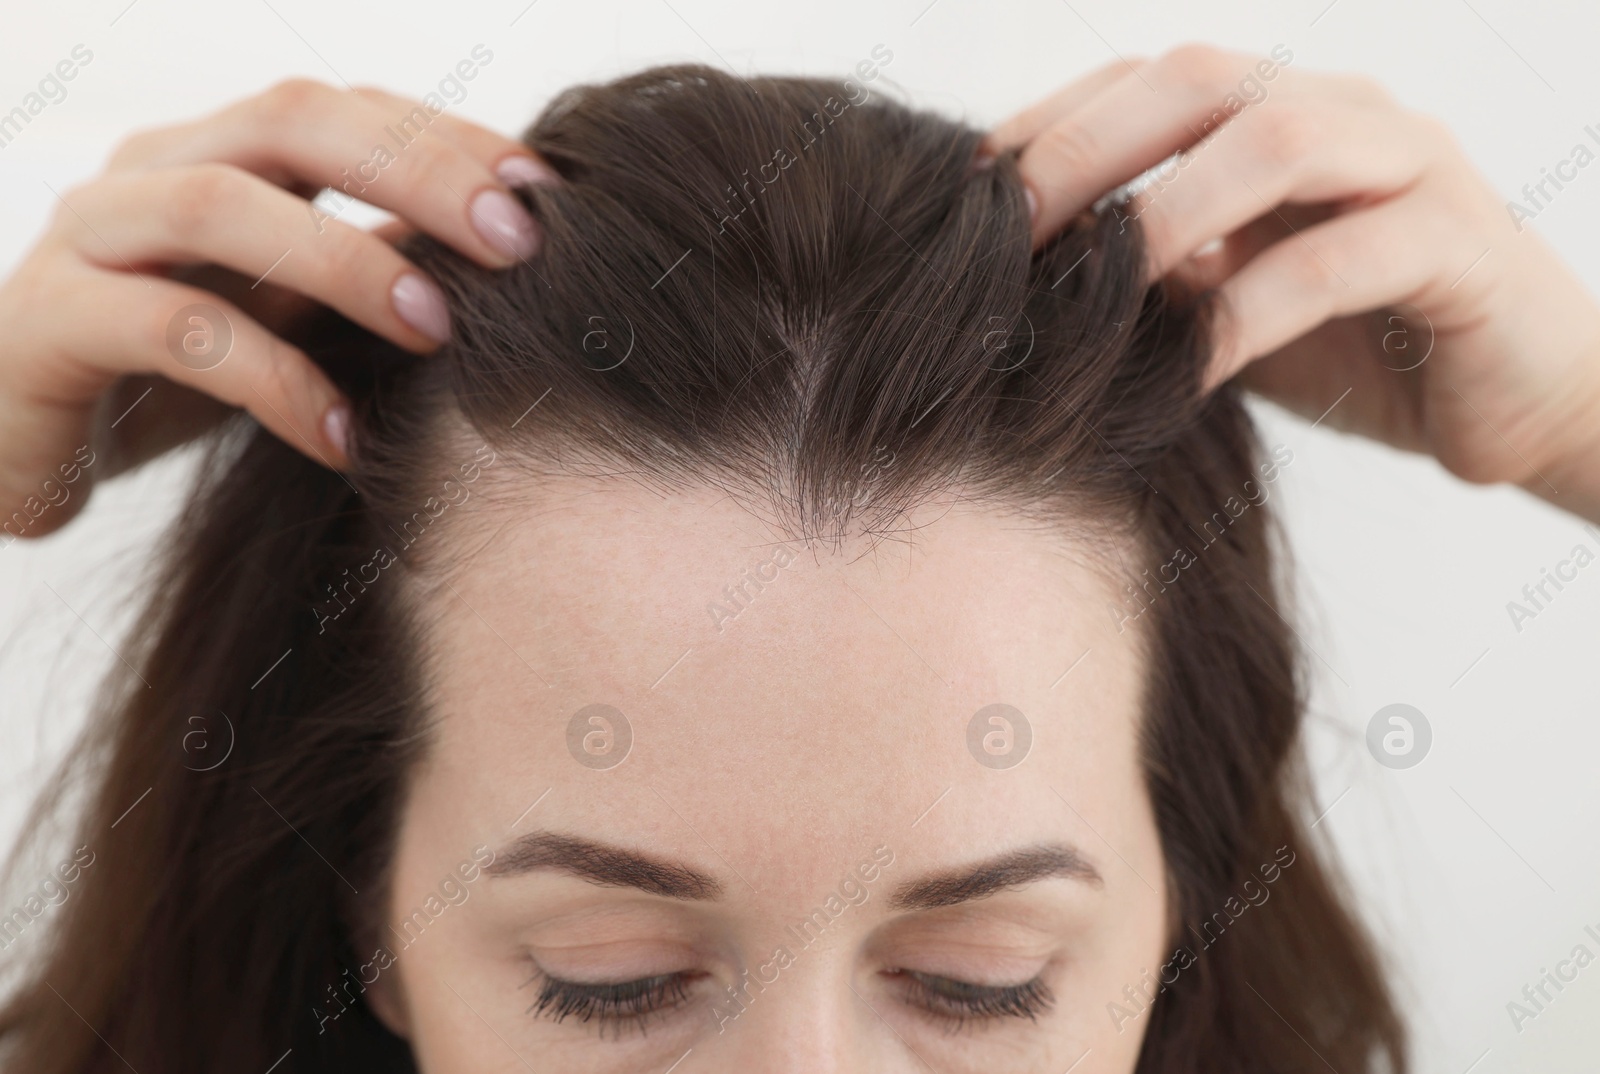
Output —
(1569, 476)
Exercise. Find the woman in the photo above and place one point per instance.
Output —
(814, 610)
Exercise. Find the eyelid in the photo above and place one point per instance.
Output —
(631, 1003)
(982, 959)
(616, 1005)
(957, 1002)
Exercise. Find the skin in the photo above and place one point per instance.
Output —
(1315, 209)
(1320, 204)
(219, 201)
(832, 710)
(1312, 212)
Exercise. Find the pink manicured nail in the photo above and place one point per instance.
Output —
(504, 224)
(336, 427)
(1033, 204)
(519, 170)
(421, 304)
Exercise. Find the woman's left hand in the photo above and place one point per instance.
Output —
(1356, 241)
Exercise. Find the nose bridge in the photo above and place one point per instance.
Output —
(797, 1013)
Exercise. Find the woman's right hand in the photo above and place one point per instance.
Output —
(96, 303)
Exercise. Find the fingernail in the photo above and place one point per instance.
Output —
(520, 170)
(421, 304)
(1033, 204)
(336, 428)
(504, 224)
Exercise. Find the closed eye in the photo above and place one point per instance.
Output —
(624, 1005)
(617, 1005)
(958, 1002)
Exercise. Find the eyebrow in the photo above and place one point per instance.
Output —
(1009, 870)
(616, 867)
(603, 864)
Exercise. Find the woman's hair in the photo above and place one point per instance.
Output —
(772, 284)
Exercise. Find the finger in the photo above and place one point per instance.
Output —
(1358, 261)
(221, 214)
(1021, 128)
(114, 323)
(514, 163)
(1214, 262)
(1305, 150)
(308, 132)
(1133, 125)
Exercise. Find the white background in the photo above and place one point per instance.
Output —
(1478, 867)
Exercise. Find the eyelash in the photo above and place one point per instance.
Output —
(957, 1002)
(630, 1004)
(620, 1005)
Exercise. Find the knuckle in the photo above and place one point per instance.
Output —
(1202, 69)
(1285, 135)
(284, 365)
(1313, 274)
(201, 196)
(434, 165)
(350, 257)
(136, 147)
(287, 369)
(1069, 146)
(289, 100)
(149, 330)
(273, 369)
(294, 380)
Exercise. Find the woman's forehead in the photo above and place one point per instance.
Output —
(640, 654)
(619, 593)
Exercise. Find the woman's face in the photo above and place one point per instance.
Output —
(669, 825)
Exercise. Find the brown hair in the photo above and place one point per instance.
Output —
(763, 282)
